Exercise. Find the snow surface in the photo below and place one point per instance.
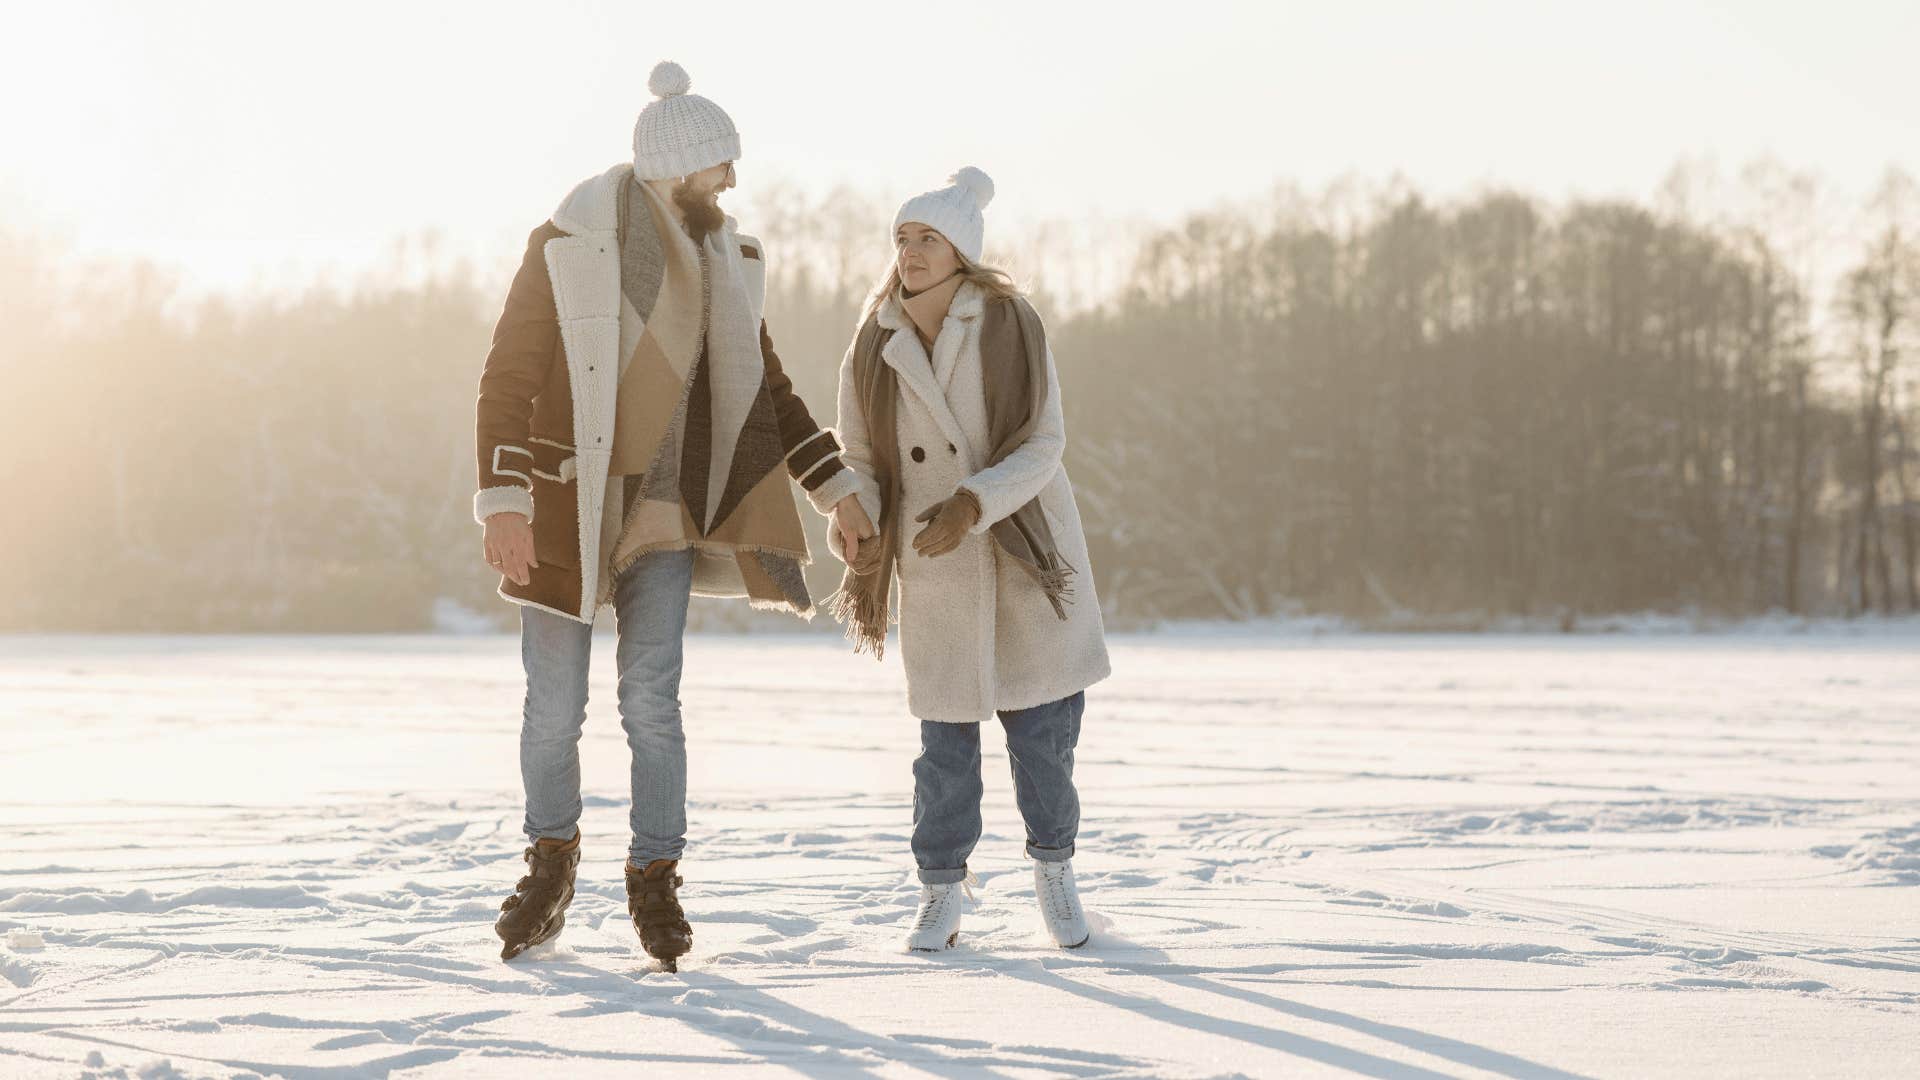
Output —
(1382, 856)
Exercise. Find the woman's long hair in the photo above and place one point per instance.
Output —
(995, 282)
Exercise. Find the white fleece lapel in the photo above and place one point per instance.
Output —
(584, 269)
(963, 315)
(915, 369)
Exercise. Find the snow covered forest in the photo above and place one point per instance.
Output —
(1363, 402)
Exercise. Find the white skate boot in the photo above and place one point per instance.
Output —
(1060, 903)
(937, 925)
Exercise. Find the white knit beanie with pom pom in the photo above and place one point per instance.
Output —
(955, 210)
(680, 133)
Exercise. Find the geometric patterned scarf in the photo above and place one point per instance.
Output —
(697, 459)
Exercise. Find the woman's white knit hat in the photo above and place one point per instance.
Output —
(955, 210)
(681, 132)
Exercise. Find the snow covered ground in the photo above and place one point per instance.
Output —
(1383, 856)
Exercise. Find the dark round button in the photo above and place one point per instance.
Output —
(951, 450)
(919, 454)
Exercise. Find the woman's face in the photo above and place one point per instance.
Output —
(924, 257)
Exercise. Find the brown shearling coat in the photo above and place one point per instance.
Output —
(526, 432)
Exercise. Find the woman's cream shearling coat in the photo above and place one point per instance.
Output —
(977, 635)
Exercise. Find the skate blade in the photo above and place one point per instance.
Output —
(669, 962)
(952, 939)
(546, 934)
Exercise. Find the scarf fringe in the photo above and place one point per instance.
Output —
(865, 620)
(618, 567)
(787, 606)
(625, 562)
(1056, 583)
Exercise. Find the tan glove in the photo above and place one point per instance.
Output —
(949, 521)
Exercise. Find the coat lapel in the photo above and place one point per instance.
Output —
(583, 266)
(916, 370)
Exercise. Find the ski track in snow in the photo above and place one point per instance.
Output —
(1412, 856)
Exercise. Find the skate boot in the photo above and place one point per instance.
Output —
(1060, 903)
(654, 903)
(538, 907)
(937, 924)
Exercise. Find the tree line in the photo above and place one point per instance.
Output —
(1378, 405)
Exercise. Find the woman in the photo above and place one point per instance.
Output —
(950, 414)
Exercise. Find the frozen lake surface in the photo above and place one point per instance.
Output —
(1349, 855)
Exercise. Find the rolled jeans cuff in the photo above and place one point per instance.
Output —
(1042, 854)
(942, 877)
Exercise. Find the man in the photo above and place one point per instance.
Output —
(631, 423)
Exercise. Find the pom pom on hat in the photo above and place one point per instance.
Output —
(669, 80)
(955, 210)
(975, 181)
(680, 132)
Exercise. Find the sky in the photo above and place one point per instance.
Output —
(266, 145)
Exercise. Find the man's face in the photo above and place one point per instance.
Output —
(698, 197)
(707, 184)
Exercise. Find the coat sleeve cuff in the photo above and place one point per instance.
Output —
(841, 483)
(985, 521)
(495, 500)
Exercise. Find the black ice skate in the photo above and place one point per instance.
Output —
(538, 907)
(654, 903)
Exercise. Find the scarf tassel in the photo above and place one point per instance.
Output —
(864, 617)
(1055, 581)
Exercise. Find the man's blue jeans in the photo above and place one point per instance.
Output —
(946, 787)
(650, 604)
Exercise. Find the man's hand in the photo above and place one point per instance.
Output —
(851, 522)
(867, 559)
(509, 545)
(949, 521)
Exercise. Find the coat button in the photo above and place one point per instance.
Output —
(919, 454)
(951, 450)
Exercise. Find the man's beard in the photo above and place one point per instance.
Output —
(702, 211)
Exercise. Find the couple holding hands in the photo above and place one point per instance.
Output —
(636, 434)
